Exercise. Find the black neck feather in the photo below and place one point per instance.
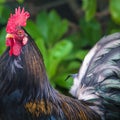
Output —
(26, 73)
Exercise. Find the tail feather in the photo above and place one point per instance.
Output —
(98, 80)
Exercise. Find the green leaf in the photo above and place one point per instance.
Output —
(115, 10)
(2, 41)
(73, 66)
(4, 14)
(57, 54)
(1, 10)
(89, 6)
(58, 27)
(91, 32)
(20, 1)
(2, 1)
(81, 54)
(76, 59)
(32, 29)
(60, 81)
(51, 26)
(42, 24)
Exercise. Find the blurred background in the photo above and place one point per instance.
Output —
(64, 31)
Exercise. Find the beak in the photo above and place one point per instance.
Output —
(8, 36)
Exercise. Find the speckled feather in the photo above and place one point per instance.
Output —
(98, 80)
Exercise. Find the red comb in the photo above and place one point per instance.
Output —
(18, 19)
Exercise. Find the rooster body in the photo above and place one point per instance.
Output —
(35, 96)
(11, 109)
(25, 92)
(38, 99)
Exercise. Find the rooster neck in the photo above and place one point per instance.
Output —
(25, 73)
(36, 85)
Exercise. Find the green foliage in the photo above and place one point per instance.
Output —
(89, 6)
(2, 40)
(51, 27)
(90, 32)
(4, 14)
(56, 55)
(115, 10)
(20, 1)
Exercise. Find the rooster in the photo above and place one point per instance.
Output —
(25, 91)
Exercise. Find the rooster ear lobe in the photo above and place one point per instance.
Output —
(25, 40)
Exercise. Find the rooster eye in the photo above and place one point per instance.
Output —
(20, 32)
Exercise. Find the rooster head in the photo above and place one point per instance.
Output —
(16, 37)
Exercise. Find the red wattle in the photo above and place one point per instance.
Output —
(16, 49)
(9, 42)
(11, 51)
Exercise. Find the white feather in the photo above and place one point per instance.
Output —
(82, 71)
(86, 62)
